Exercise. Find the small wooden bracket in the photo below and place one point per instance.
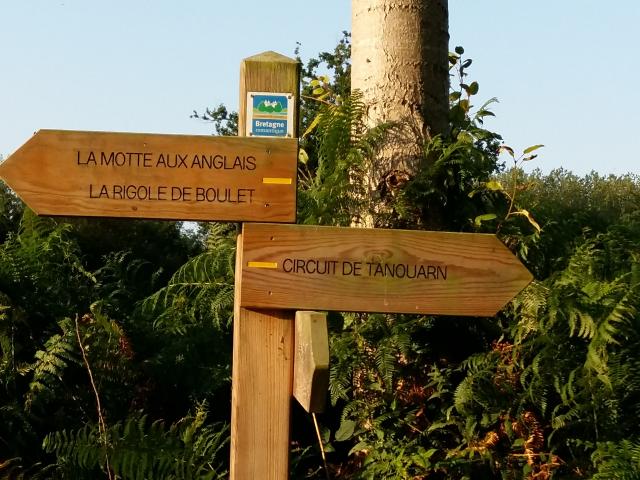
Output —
(311, 360)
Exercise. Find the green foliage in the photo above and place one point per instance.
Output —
(560, 379)
(44, 280)
(325, 80)
(165, 244)
(335, 67)
(224, 122)
(32, 260)
(140, 449)
(201, 290)
(330, 192)
(455, 165)
(10, 211)
(617, 460)
(510, 192)
(13, 469)
(570, 209)
(182, 335)
(59, 351)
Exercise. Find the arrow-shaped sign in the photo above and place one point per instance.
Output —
(373, 270)
(178, 177)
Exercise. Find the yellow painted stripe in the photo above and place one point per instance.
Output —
(262, 264)
(277, 181)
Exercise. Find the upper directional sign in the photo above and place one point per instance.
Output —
(395, 271)
(177, 177)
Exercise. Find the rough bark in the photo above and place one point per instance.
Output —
(400, 64)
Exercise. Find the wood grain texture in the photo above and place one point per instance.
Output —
(262, 383)
(311, 360)
(373, 270)
(261, 394)
(139, 175)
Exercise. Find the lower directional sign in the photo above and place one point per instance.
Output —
(174, 177)
(372, 270)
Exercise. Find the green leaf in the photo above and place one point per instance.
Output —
(459, 50)
(328, 448)
(474, 88)
(484, 113)
(457, 113)
(312, 126)
(303, 157)
(318, 91)
(359, 447)
(494, 186)
(439, 425)
(505, 148)
(314, 83)
(533, 148)
(527, 215)
(345, 432)
(422, 457)
(484, 218)
(465, 137)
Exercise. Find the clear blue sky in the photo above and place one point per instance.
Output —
(566, 71)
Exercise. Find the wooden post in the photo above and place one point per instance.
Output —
(262, 372)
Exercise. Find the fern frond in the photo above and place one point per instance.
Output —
(463, 396)
(617, 460)
(334, 193)
(59, 351)
(385, 360)
(339, 381)
(12, 469)
(139, 449)
(201, 288)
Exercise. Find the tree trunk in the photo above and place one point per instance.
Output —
(400, 64)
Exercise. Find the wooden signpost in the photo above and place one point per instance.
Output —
(175, 177)
(373, 270)
(279, 268)
(263, 340)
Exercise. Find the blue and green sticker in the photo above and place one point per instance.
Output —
(270, 114)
